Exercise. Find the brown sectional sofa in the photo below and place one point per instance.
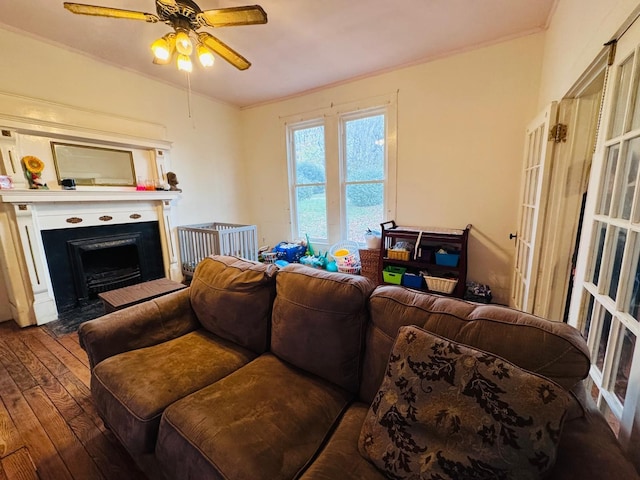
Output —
(253, 373)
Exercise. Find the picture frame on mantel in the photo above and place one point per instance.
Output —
(93, 166)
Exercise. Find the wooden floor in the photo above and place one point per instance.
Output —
(49, 428)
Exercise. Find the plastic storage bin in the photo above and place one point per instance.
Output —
(393, 274)
(412, 280)
(447, 259)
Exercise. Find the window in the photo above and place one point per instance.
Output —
(342, 174)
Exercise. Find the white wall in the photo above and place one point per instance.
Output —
(206, 152)
(461, 126)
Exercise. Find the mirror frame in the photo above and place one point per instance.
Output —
(66, 166)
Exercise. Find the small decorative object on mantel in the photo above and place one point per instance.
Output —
(6, 183)
(33, 171)
(172, 179)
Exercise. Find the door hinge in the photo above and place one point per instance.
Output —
(558, 133)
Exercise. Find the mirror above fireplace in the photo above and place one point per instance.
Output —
(89, 165)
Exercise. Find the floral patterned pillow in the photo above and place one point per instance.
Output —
(448, 411)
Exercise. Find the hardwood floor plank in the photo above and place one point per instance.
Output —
(70, 342)
(69, 359)
(112, 460)
(81, 393)
(16, 368)
(44, 355)
(19, 465)
(45, 378)
(69, 447)
(49, 464)
(10, 440)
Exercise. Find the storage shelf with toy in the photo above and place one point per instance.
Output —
(434, 259)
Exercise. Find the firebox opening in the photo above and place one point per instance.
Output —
(106, 264)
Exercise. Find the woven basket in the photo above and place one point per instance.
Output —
(441, 285)
(370, 262)
(398, 254)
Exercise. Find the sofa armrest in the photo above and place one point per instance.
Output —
(142, 325)
(588, 447)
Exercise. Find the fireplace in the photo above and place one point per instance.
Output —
(84, 262)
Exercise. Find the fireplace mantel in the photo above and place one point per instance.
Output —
(25, 214)
(52, 196)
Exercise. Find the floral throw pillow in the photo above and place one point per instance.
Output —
(448, 411)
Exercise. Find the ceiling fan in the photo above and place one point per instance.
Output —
(186, 18)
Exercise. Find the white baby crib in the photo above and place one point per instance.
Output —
(199, 241)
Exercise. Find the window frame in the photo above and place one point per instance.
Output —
(334, 119)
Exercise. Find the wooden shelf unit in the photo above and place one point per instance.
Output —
(429, 240)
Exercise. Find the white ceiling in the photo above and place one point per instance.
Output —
(306, 44)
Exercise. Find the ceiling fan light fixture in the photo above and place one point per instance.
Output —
(184, 63)
(205, 56)
(183, 43)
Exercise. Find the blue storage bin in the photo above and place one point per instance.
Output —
(412, 280)
(447, 259)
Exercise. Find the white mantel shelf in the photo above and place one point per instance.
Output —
(54, 196)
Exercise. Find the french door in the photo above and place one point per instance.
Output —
(605, 304)
(533, 195)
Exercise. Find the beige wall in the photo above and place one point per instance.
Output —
(576, 34)
(205, 154)
(461, 124)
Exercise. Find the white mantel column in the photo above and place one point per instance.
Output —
(44, 305)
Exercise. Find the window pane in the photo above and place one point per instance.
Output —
(624, 364)
(309, 155)
(364, 149)
(312, 212)
(600, 234)
(621, 98)
(605, 328)
(606, 189)
(620, 238)
(628, 186)
(612, 420)
(365, 209)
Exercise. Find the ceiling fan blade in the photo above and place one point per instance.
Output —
(230, 55)
(82, 9)
(233, 16)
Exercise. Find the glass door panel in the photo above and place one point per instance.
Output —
(600, 233)
(627, 345)
(628, 180)
(631, 304)
(617, 250)
(606, 189)
(603, 340)
(620, 102)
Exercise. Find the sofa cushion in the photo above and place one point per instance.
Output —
(319, 320)
(264, 421)
(449, 411)
(340, 459)
(132, 389)
(232, 298)
(552, 349)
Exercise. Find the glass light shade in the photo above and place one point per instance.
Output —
(205, 56)
(161, 50)
(183, 43)
(184, 63)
